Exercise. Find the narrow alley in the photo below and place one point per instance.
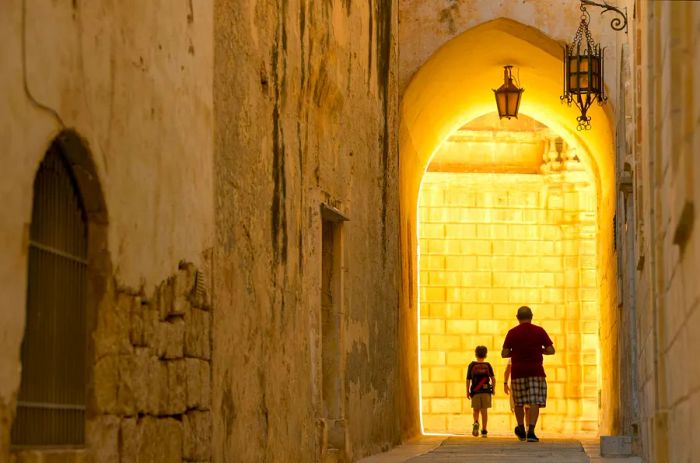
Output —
(331, 231)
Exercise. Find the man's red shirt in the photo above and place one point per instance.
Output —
(527, 341)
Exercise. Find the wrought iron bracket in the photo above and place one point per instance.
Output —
(618, 24)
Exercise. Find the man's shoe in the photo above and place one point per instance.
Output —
(484, 433)
(531, 437)
(520, 432)
(475, 429)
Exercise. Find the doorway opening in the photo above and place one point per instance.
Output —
(507, 217)
(332, 366)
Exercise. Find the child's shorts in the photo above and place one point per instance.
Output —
(482, 400)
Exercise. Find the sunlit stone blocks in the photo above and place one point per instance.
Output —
(488, 244)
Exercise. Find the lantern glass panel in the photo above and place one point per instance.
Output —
(583, 63)
(513, 100)
(501, 103)
(584, 83)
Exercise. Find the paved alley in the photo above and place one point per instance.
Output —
(495, 449)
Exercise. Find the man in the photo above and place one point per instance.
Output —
(525, 344)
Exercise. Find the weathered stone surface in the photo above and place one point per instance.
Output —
(171, 338)
(185, 280)
(126, 397)
(102, 433)
(106, 381)
(197, 340)
(197, 435)
(166, 297)
(173, 396)
(198, 383)
(151, 328)
(140, 375)
(150, 439)
(137, 325)
(112, 334)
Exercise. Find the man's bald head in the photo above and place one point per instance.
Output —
(524, 314)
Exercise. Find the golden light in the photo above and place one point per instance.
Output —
(494, 236)
(436, 104)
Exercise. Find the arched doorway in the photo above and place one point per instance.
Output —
(453, 88)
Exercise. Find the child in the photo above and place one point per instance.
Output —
(480, 387)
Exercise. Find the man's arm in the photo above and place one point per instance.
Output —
(507, 346)
(506, 377)
(547, 342)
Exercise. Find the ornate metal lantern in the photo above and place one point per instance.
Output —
(508, 96)
(583, 72)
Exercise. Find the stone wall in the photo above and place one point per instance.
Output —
(150, 387)
(490, 243)
(305, 115)
(664, 145)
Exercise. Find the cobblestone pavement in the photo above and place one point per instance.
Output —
(494, 449)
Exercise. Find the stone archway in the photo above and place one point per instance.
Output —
(454, 87)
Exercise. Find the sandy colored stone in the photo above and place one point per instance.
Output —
(197, 435)
(197, 336)
(112, 334)
(106, 384)
(137, 333)
(127, 384)
(198, 384)
(171, 338)
(102, 432)
(173, 392)
(149, 439)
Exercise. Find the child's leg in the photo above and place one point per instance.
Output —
(476, 415)
(484, 418)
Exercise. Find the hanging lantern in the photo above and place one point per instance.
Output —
(508, 96)
(583, 72)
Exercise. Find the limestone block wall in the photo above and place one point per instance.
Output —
(152, 376)
(665, 169)
(149, 392)
(488, 244)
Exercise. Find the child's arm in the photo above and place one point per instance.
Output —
(493, 381)
(469, 382)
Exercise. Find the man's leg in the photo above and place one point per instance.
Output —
(533, 412)
(526, 408)
(519, 415)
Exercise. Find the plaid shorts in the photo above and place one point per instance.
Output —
(529, 391)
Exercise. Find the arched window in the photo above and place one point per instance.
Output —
(51, 400)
